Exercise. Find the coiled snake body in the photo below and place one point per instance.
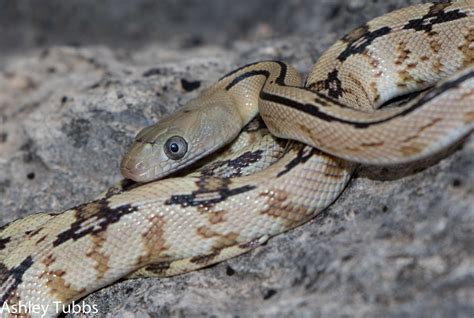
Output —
(184, 223)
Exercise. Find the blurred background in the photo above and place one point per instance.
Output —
(28, 24)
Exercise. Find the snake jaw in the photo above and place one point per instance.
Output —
(133, 165)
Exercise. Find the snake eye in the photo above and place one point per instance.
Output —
(176, 147)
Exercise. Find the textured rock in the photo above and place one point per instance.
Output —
(398, 242)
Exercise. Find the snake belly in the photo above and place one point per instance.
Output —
(180, 224)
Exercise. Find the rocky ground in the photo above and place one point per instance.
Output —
(75, 89)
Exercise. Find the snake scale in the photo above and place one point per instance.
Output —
(337, 119)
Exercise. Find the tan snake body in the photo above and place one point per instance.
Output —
(184, 223)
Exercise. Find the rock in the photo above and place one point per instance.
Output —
(398, 242)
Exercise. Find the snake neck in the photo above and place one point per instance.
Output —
(244, 85)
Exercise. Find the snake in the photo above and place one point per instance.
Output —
(397, 89)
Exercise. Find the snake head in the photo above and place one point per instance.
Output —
(178, 140)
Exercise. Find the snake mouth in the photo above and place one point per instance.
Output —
(137, 164)
(134, 169)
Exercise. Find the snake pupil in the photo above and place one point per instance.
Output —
(174, 147)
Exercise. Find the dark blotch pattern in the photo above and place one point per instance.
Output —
(333, 84)
(246, 159)
(355, 34)
(358, 45)
(3, 273)
(210, 191)
(205, 259)
(124, 185)
(4, 241)
(357, 42)
(255, 124)
(236, 165)
(302, 156)
(159, 268)
(436, 15)
(15, 276)
(101, 216)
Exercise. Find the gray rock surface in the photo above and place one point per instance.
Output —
(398, 242)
